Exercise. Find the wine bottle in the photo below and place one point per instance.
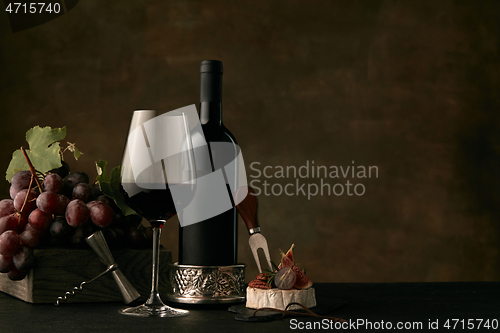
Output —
(212, 242)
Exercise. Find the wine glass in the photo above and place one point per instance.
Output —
(158, 180)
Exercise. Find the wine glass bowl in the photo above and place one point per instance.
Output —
(157, 180)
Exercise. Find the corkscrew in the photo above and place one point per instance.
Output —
(98, 243)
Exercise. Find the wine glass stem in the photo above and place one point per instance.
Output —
(154, 298)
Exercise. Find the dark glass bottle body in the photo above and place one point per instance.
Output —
(212, 242)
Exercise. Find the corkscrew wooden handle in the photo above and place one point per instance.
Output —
(248, 208)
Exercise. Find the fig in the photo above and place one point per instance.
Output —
(286, 261)
(301, 280)
(289, 255)
(285, 278)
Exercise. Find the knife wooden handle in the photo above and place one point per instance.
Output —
(248, 207)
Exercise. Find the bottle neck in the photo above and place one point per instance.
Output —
(211, 94)
(211, 113)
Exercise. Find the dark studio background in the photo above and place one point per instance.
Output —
(411, 87)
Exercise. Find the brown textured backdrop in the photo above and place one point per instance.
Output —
(410, 87)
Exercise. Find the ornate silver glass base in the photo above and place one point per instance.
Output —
(206, 284)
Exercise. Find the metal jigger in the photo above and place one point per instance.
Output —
(98, 243)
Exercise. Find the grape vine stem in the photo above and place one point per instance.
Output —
(32, 169)
(25, 199)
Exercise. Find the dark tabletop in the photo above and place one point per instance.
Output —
(459, 305)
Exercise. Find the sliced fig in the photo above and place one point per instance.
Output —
(289, 255)
(285, 261)
(301, 280)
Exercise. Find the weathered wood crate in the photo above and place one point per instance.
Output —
(59, 270)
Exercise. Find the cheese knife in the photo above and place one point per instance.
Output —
(247, 204)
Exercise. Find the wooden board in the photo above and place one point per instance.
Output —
(59, 270)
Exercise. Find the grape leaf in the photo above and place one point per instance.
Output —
(110, 186)
(43, 151)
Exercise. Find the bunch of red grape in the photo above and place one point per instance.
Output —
(61, 210)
